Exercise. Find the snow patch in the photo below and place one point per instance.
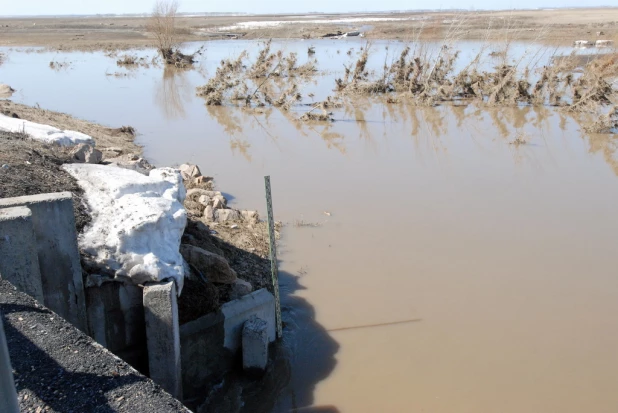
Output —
(137, 221)
(44, 133)
(276, 23)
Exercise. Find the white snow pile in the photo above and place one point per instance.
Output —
(137, 221)
(44, 133)
(276, 23)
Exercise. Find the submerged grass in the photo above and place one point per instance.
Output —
(273, 79)
(425, 75)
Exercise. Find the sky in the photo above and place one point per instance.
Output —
(62, 7)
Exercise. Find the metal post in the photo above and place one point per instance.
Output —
(8, 394)
(273, 256)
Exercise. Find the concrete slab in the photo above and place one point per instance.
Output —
(116, 321)
(59, 262)
(210, 345)
(163, 336)
(261, 304)
(19, 262)
(254, 345)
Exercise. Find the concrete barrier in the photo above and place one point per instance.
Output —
(162, 335)
(210, 345)
(260, 304)
(116, 321)
(255, 345)
(8, 394)
(59, 262)
(19, 262)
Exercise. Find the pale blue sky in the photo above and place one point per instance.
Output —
(42, 7)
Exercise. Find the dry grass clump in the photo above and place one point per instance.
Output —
(423, 77)
(127, 60)
(299, 223)
(320, 117)
(272, 79)
(58, 66)
(606, 123)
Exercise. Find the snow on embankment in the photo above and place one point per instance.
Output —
(44, 133)
(137, 221)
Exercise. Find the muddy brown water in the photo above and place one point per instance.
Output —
(456, 272)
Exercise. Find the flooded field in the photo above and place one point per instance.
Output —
(439, 259)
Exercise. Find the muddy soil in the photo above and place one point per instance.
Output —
(30, 168)
(553, 26)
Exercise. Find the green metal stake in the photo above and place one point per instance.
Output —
(273, 256)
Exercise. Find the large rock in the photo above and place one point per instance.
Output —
(219, 202)
(209, 213)
(6, 91)
(189, 171)
(197, 192)
(204, 200)
(84, 153)
(214, 267)
(223, 215)
(251, 217)
(240, 288)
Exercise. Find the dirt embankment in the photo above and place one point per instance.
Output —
(560, 26)
(29, 167)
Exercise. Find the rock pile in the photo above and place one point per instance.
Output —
(202, 201)
(212, 278)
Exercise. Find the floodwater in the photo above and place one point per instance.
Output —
(454, 272)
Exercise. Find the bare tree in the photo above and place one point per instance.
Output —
(162, 25)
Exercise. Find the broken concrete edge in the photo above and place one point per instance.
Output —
(58, 254)
(20, 262)
(163, 336)
(255, 346)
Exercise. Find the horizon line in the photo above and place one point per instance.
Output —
(398, 11)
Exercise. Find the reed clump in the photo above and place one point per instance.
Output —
(273, 79)
(422, 78)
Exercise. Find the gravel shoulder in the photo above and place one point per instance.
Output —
(57, 368)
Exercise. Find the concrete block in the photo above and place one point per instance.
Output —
(59, 262)
(8, 394)
(116, 321)
(210, 344)
(260, 303)
(255, 345)
(163, 336)
(19, 262)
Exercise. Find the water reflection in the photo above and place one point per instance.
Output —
(430, 127)
(173, 92)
